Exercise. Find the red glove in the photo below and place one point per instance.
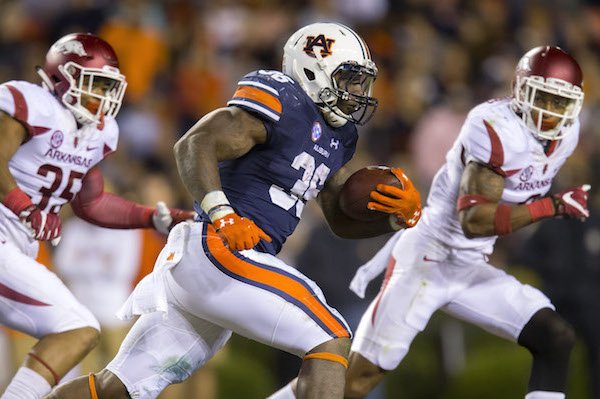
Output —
(239, 233)
(572, 203)
(164, 218)
(404, 203)
(43, 226)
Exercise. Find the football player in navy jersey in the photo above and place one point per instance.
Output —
(283, 140)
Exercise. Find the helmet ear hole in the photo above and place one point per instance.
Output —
(309, 74)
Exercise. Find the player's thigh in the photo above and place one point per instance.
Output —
(498, 303)
(163, 349)
(413, 289)
(34, 300)
(253, 294)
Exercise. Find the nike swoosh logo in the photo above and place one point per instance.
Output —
(90, 148)
(426, 259)
(568, 198)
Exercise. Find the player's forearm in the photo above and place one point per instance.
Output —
(500, 219)
(113, 212)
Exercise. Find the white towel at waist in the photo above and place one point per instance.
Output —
(149, 294)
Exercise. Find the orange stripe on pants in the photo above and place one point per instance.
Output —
(273, 279)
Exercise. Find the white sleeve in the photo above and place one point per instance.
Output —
(482, 143)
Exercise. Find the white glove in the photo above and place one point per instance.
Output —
(164, 218)
(161, 218)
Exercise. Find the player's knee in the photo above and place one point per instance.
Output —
(548, 333)
(362, 377)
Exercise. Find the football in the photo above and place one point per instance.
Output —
(355, 193)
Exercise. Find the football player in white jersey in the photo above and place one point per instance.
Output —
(53, 136)
(495, 180)
(283, 140)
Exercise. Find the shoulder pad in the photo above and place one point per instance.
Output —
(260, 92)
(28, 103)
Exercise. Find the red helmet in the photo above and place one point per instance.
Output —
(76, 65)
(542, 73)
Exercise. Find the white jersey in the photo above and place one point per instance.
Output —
(50, 165)
(493, 135)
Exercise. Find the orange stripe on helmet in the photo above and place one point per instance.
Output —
(258, 95)
(273, 279)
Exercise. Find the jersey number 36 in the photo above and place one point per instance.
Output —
(304, 189)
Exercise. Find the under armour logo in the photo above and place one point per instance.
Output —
(318, 41)
(334, 143)
(71, 47)
(224, 222)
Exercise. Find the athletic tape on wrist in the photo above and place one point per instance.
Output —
(216, 205)
(541, 209)
(16, 200)
(502, 222)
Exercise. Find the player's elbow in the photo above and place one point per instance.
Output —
(471, 227)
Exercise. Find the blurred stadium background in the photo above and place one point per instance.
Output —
(436, 58)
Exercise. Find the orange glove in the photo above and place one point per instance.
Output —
(404, 203)
(239, 233)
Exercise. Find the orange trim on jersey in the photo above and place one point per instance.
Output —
(260, 96)
(270, 278)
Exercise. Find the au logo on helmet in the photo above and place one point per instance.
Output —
(318, 41)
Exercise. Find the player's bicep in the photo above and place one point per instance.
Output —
(228, 133)
(478, 179)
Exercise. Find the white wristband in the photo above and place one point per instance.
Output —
(216, 205)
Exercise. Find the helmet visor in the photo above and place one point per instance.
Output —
(353, 86)
(548, 104)
(94, 92)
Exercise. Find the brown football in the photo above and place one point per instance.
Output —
(355, 193)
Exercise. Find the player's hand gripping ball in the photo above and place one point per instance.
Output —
(375, 192)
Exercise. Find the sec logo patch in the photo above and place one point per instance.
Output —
(317, 132)
(57, 139)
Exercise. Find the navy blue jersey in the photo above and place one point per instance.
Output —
(272, 182)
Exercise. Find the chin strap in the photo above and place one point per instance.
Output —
(333, 119)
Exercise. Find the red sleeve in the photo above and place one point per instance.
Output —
(95, 206)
